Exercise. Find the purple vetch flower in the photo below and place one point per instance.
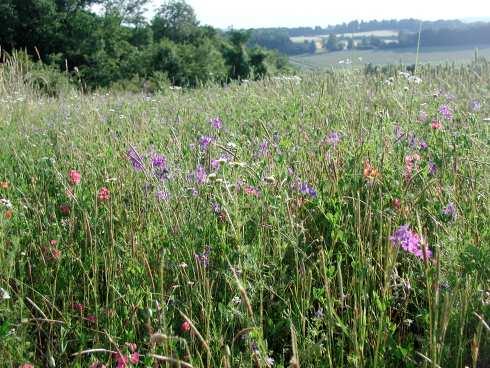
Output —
(422, 118)
(412, 140)
(204, 142)
(399, 133)
(263, 148)
(333, 138)
(216, 123)
(216, 163)
(474, 105)
(319, 313)
(269, 361)
(216, 208)
(162, 195)
(410, 242)
(200, 175)
(450, 211)
(446, 112)
(135, 159)
(423, 144)
(203, 258)
(432, 167)
(305, 189)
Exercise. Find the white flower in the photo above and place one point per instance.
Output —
(4, 295)
(6, 203)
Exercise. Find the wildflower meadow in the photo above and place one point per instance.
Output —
(339, 219)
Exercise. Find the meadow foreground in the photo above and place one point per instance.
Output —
(333, 220)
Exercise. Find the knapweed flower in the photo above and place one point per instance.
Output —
(104, 195)
(450, 211)
(410, 242)
(74, 177)
(333, 138)
(474, 105)
(369, 172)
(436, 125)
(135, 159)
(185, 327)
(446, 112)
(216, 123)
(204, 142)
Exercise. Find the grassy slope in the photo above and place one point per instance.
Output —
(310, 281)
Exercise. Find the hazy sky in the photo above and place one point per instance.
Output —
(264, 13)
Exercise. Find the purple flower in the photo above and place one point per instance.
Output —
(475, 105)
(162, 195)
(410, 242)
(159, 164)
(203, 258)
(423, 144)
(412, 141)
(450, 211)
(432, 167)
(333, 138)
(263, 148)
(399, 134)
(446, 112)
(158, 161)
(216, 123)
(216, 208)
(305, 189)
(135, 159)
(200, 175)
(319, 313)
(204, 142)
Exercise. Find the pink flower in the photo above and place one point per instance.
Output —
(185, 326)
(104, 194)
(79, 307)
(121, 360)
(91, 318)
(134, 358)
(65, 209)
(436, 124)
(26, 365)
(132, 346)
(75, 177)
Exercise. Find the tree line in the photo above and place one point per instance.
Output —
(103, 43)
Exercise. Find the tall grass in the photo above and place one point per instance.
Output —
(281, 256)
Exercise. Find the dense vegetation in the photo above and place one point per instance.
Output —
(117, 46)
(333, 220)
